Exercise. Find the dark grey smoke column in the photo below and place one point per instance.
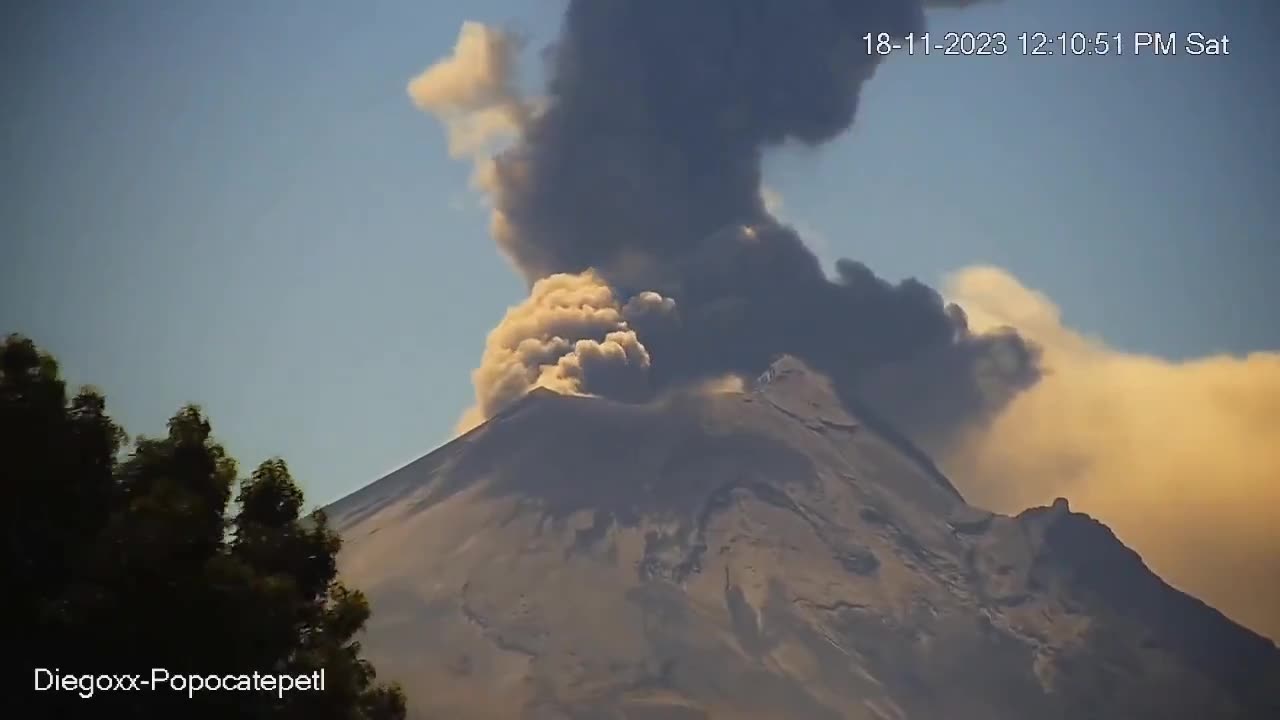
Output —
(660, 110)
(646, 166)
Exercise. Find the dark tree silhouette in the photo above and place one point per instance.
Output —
(115, 564)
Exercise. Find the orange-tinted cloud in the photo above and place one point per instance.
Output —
(1180, 459)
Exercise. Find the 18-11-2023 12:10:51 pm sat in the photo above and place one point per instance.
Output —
(1042, 44)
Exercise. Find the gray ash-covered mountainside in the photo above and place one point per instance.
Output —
(761, 554)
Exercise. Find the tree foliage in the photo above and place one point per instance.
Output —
(122, 557)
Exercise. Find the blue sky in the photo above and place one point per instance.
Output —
(236, 204)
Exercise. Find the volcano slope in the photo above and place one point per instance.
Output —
(761, 554)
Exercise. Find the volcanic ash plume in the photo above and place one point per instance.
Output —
(642, 167)
(572, 336)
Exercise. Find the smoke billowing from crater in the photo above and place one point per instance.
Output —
(571, 335)
(630, 200)
(639, 173)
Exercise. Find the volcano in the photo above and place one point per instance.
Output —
(762, 553)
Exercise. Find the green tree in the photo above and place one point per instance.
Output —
(119, 563)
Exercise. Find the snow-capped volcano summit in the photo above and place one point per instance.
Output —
(761, 554)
